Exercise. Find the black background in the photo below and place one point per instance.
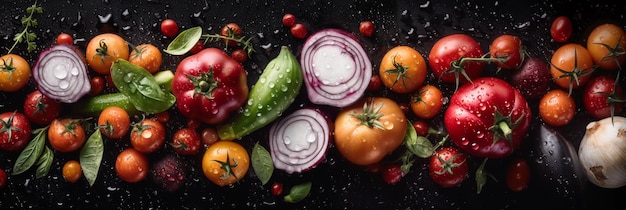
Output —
(336, 184)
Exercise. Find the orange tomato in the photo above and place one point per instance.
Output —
(146, 56)
(571, 66)
(114, 122)
(606, 45)
(148, 136)
(66, 135)
(427, 102)
(72, 171)
(14, 72)
(556, 108)
(225, 162)
(102, 50)
(403, 69)
(132, 166)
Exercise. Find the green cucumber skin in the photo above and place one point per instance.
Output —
(277, 88)
(94, 105)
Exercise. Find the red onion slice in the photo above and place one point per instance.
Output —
(336, 68)
(61, 73)
(298, 142)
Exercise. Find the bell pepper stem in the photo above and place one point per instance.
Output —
(506, 130)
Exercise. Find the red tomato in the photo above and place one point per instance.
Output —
(199, 46)
(557, 108)
(64, 38)
(421, 127)
(277, 189)
(448, 167)
(102, 50)
(366, 28)
(288, 20)
(239, 55)
(148, 136)
(66, 135)
(488, 118)
(209, 136)
(518, 175)
(132, 166)
(445, 54)
(3, 178)
(169, 28)
(606, 45)
(41, 109)
(561, 29)
(601, 98)
(298, 30)
(114, 122)
(186, 142)
(508, 49)
(97, 85)
(374, 84)
(571, 66)
(231, 30)
(14, 131)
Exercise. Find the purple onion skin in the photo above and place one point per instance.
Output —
(169, 173)
(532, 79)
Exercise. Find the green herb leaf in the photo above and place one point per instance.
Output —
(91, 156)
(298, 192)
(418, 145)
(262, 163)
(184, 41)
(44, 163)
(30, 154)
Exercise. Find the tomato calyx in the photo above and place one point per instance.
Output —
(574, 74)
(613, 98)
(457, 68)
(71, 126)
(180, 145)
(102, 51)
(204, 84)
(228, 167)
(8, 67)
(140, 127)
(370, 115)
(614, 52)
(448, 165)
(138, 51)
(503, 126)
(7, 126)
(231, 36)
(399, 70)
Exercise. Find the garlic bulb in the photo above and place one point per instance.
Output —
(602, 152)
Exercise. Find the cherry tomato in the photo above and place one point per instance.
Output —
(225, 162)
(375, 83)
(298, 30)
(102, 50)
(146, 56)
(366, 28)
(14, 73)
(147, 136)
(571, 66)
(41, 109)
(445, 54)
(186, 141)
(14, 131)
(360, 139)
(66, 135)
(561, 29)
(606, 44)
(508, 48)
(288, 20)
(427, 102)
(163, 117)
(132, 166)
(518, 175)
(231, 30)
(3, 178)
(169, 28)
(64, 38)
(97, 85)
(421, 127)
(556, 108)
(448, 167)
(601, 98)
(209, 136)
(403, 69)
(72, 171)
(239, 55)
(404, 107)
(199, 46)
(114, 122)
(277, 189)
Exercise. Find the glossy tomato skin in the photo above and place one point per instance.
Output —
(64, 38)
(508, 48)
(448, 167)
(169, 28)
(606, 44)
(148, 136)
(231, 29)
(114, 122)
(568, 60)
(102, 50)
(15, 72)
(3, 178)
(403, 69)
(14, 131)
(41, 109)
(596, 94)
(364, 145)
(72, 171)
(557, 108)
(449, 49)
(470, 117)
(214, 162)
(186, 141)
(146, 56)
(561, 29)
(366, 28)
(66, 135)
(518, 175)
(132, 166)
(427, 102)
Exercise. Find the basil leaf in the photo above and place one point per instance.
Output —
(141, 87)
(418, 145)
(91, 156)
(298, 192)
(44, 163)
(184, 41)
(30, 154)
(262, 163)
